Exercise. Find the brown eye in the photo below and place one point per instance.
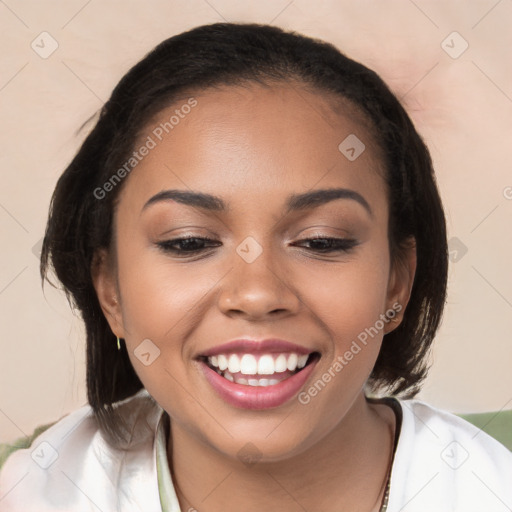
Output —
(329, 244)
(187, 245)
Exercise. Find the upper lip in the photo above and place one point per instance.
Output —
(251, 346)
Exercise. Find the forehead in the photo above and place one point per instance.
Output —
(255, 141)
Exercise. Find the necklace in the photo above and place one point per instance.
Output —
(385, 500)
(394, 438)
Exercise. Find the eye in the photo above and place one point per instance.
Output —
(193, 245)
(187, 245)
(328, 244)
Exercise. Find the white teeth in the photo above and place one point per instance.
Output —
(302, 361)
(248, 365)
(249, 382)
(234, 364)
(223, 362)
(280, 364)
(293, 359)
(266, 364)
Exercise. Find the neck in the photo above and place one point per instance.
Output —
(345, 470)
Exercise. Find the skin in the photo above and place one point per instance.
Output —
(253, 147)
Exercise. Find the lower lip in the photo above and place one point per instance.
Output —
(257, 397)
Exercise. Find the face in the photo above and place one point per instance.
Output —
(298, 276)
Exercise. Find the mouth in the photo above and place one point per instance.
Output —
(258, 380)
(259, 370)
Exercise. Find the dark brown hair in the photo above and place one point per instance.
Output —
(227, 54)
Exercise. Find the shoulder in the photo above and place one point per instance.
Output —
(6, 449)
(63, 465)
(443, 462)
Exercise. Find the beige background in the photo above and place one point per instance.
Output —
(462, 106)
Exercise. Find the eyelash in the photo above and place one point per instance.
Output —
(340, 245)
(167, 245)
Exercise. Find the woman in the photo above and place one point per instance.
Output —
(253, 235)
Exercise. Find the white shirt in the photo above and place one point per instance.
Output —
(442, 464)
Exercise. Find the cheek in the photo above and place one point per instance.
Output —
(349, 301)
(352, 297)
(162, 304)
(160, 298)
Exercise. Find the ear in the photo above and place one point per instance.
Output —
(105, 283)
(401, 279)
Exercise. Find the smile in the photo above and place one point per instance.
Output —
(257, 375)
(248, 369)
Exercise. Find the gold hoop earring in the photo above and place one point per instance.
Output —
(118, 343)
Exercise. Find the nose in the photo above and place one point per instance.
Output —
(257, 290)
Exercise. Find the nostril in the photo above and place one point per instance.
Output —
(277, 310)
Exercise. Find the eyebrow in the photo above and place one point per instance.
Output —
(295, 202)
(198, 199)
